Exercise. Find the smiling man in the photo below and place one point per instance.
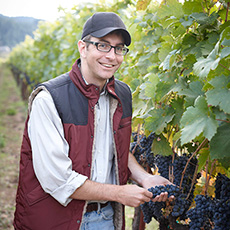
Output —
(75, 159)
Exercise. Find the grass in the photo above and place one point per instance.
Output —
(12, 114)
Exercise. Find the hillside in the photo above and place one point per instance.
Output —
(14, 29)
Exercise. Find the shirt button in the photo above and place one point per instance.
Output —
(89, 165)
(78, 221)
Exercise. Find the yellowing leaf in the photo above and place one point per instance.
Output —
(143, 4)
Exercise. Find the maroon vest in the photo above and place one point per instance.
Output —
(37, 210)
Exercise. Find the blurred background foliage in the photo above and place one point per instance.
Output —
(177, 68)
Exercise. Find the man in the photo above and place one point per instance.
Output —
(75, 158)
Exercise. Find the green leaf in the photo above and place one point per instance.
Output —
(190, 7)
(196, 120)
(204, 65)
(158, 119)
(191, 93)
(164, 50)
(186, 22)
(163, 88)
(220, 95)
(151, 85)
(203, 157)
(205, 19)
(220, 143)
(178, 106)
(225, 52)
(166, 63)
(161, 146)
(226, 42)
(225, 162)
(171, 8)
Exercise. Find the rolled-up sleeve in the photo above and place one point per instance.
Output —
(51, 163)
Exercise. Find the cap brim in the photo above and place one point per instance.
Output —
(105, 31)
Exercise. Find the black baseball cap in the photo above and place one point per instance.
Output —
(103, 23)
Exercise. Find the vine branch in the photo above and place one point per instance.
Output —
(206, 177)
(197, 150)
(193, 181)
(226, 18)
(209, 177)
(223, 120)
(224, 66)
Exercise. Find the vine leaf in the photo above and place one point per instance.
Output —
(196, 120)
(192, 92)
(158, 119)
(161, 146)
(143, 4)
(203, 157)
(192, 6)
(166, 63)
(204, 65)
(220, 95)
(172, 8)
(150, 85)
(220, 143)
(225, 162)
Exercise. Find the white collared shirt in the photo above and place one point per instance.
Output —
(52, 165)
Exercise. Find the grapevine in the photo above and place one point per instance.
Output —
(212, 212)
(178, 71)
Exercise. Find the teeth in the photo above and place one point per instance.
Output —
(106, 65)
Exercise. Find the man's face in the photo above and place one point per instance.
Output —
(98, 66)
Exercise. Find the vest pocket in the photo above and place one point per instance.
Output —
(36, 195)
(124, 123)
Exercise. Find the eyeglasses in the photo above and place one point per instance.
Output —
(104, 47)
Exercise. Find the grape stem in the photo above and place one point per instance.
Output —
(193, 181)
(207, 179)
(197, 150)
(171, 175)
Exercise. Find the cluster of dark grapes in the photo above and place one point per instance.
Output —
(154, 209)
(221, 217)
(177, 165)
(212, 213)
(209, 213)
(200, 215)
(222, 187)
(141, 148)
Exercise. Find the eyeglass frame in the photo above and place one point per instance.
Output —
(115, 47)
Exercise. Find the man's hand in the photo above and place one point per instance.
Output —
(133, 195)
(147, 180)
(156, 180)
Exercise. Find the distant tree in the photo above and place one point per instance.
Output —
(14, 29)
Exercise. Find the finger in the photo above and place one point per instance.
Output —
(163, 196)
(171, 198)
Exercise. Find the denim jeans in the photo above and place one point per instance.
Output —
(98, 220)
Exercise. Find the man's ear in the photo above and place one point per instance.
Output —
(82, 48)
